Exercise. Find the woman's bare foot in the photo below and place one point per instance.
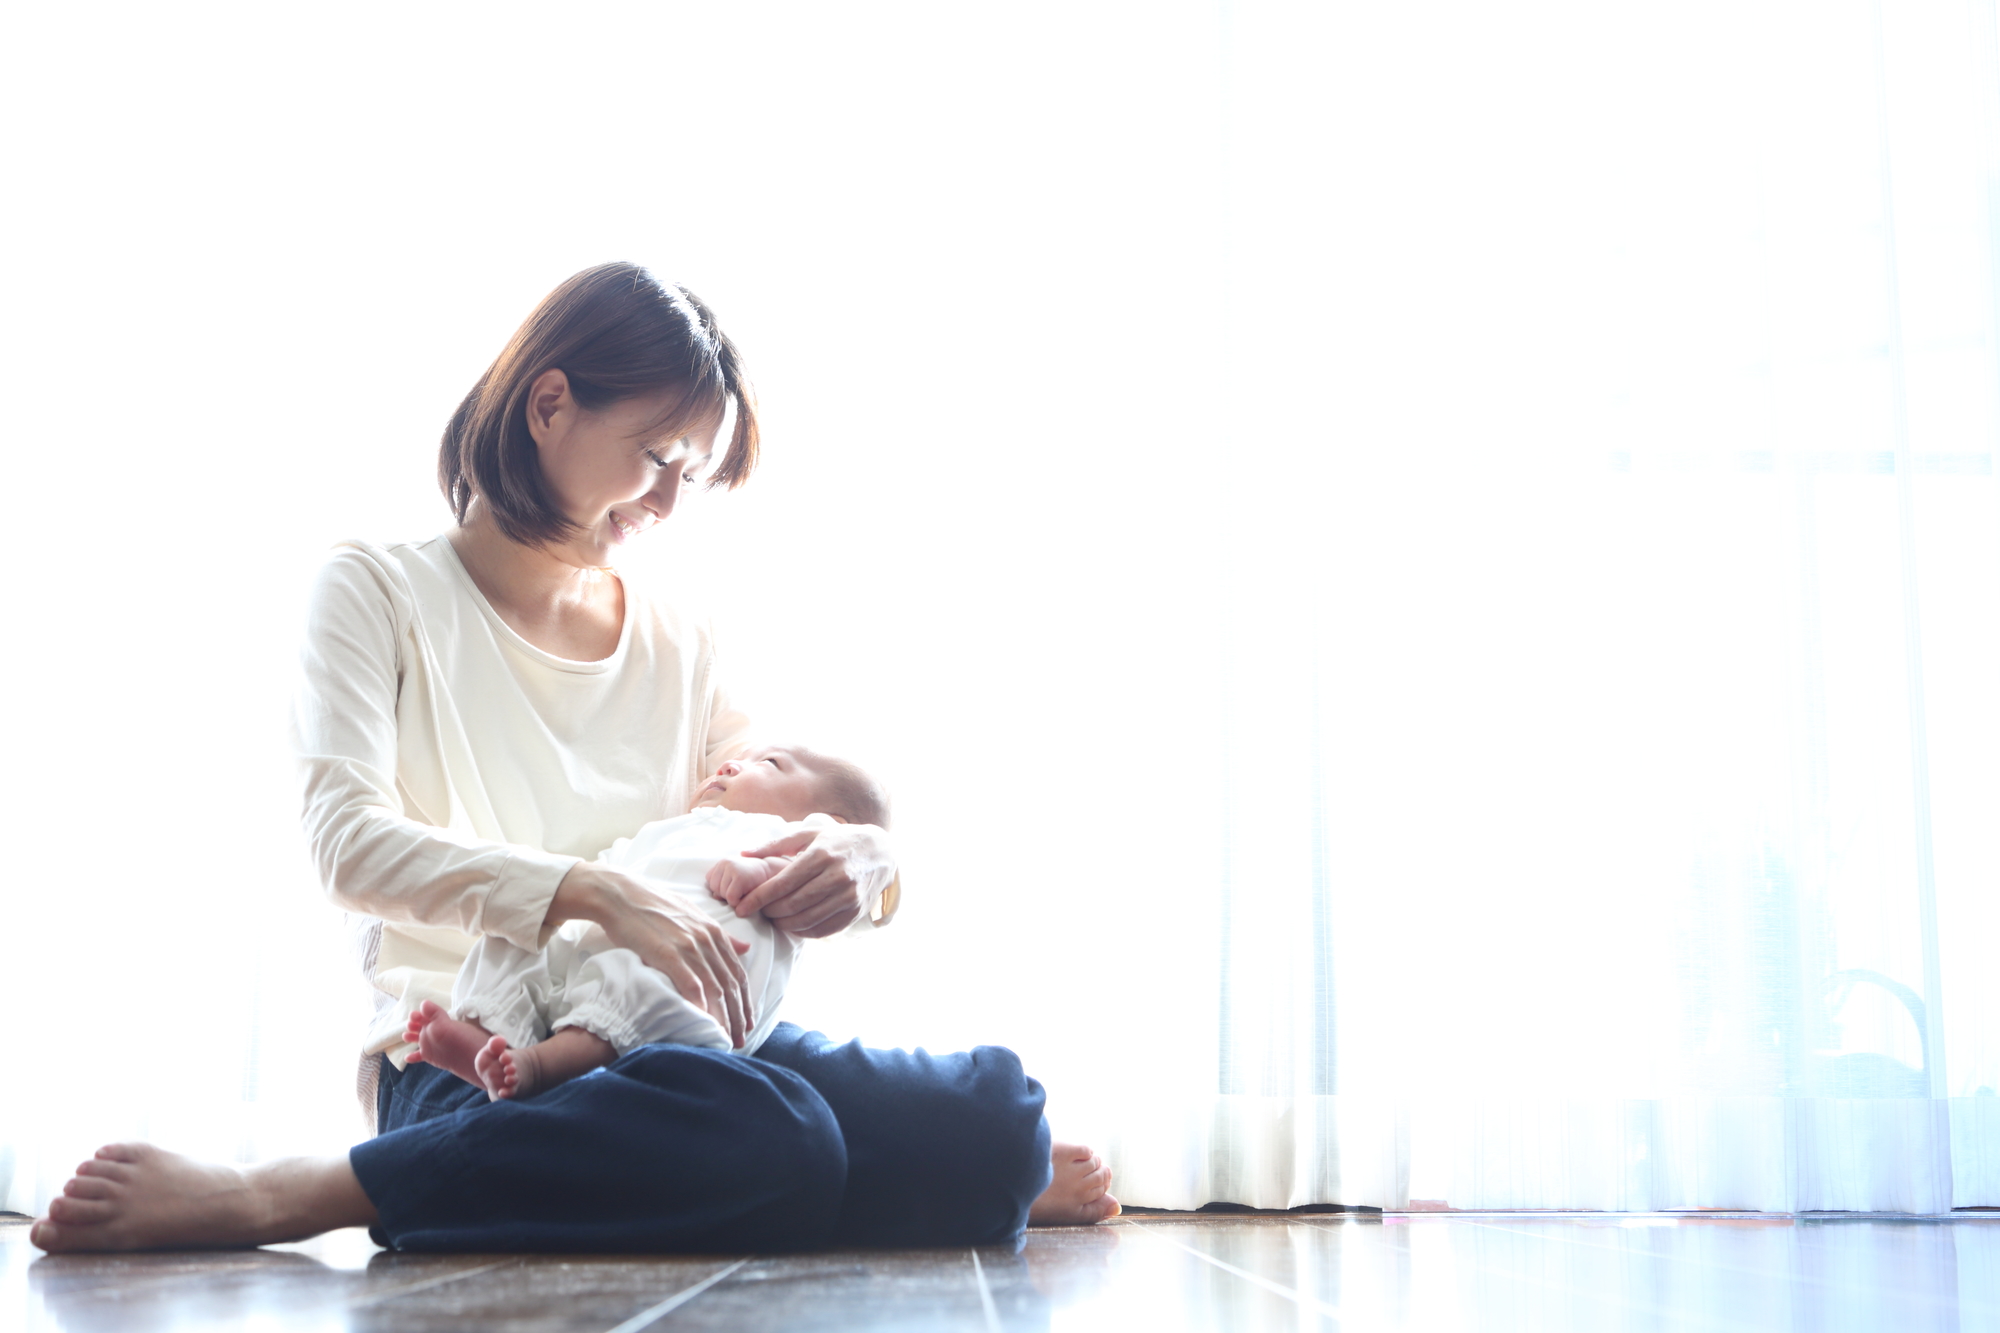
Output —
(1080, 1195)
(132, 1196)
(447, 1042)
(521, 1072)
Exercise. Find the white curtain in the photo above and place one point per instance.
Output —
(1422, 576)
(1610, 784)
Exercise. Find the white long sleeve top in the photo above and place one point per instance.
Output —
(454, 772)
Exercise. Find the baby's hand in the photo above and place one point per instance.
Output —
(729, 880)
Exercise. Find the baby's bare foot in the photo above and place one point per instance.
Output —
(447, 1042)
(524, 1071)
(1080, 1194)
(507, 1072)
(132, 1196)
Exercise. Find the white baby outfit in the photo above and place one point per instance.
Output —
(582, 980)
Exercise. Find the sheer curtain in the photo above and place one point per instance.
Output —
(1611, 777)
(1421, 576)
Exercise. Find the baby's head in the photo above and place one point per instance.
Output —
(792, 782)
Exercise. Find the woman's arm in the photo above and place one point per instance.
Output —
(372, 857)
(375, 859)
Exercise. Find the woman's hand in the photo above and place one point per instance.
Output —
(697, 955)
(834, 875)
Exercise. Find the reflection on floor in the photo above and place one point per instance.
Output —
(1538, 1273)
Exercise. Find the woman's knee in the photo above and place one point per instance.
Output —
(941, 1149)
(1006, 1115)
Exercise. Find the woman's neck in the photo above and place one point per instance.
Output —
(559, 605)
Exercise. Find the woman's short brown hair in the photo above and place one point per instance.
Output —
(616, 331)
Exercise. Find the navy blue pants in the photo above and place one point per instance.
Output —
(807, 1144)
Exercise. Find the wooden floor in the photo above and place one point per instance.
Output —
(1536, 1273)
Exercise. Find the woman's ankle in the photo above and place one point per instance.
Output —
(298, 1197)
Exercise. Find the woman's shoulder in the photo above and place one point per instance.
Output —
(403, 571)
(358, 553)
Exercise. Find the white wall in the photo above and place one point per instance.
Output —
(258, 254)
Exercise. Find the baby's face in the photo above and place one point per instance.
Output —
(769, 781)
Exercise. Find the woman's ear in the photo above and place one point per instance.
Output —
(549, 402)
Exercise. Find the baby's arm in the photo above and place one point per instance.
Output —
(729, 879)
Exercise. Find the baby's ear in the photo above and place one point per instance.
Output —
(839, 819)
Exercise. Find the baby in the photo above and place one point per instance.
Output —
(521, 1023)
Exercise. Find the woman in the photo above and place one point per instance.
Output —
(480, 713)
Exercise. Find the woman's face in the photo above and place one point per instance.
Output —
(613, 471)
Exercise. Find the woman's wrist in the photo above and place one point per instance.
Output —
(584, 894)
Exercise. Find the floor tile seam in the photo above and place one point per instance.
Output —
(1789, 1279)
(368, 1298)
(1517, 1276)
(653, 1314)
(985, 1293)
(1291, 1294)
